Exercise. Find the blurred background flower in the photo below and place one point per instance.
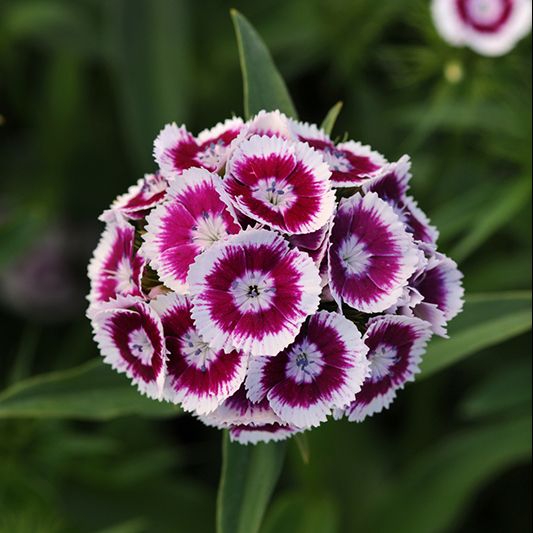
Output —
(85, 86)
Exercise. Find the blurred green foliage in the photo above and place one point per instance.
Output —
(84, 87)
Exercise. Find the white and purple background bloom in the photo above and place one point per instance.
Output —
(266, 278)
(489, 27)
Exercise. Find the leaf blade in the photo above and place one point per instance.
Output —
(263, 85)
(92, 391)
(331, 118)
(249, 475)
(480, 326)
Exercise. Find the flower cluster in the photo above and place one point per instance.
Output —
(266, 278)
(490, 27)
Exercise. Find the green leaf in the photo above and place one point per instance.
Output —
(249, 475)
(331, 118)
(302, 513)
(504, 207)
(263, 85)
(93, 391)
(487, 320)
(503, 391)
(434, 489)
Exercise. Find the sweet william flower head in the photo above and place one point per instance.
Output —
(266, 278)
(490, 27)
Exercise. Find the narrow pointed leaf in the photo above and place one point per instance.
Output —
(331, 118)
(92, 391)
(487, 320)
(263, 85)
(249, 475)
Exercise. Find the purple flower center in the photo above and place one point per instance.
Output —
(209, 228)
(253, 292)
(336, 159)
(305, 362)
(277, 194)
(196, 352)
(140, 346)
(485, 15)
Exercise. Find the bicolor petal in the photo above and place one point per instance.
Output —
(441, 285)
(198, 378)
(238, 410)
(280, 183)
(130, 337)
(115, 268)
(252, 293)
(395, 348)
(392, 182)
(322, 370)
(490, 27)
(371, 256)
(140, 198)
(176, 150)
(193, 217)
(264, 433)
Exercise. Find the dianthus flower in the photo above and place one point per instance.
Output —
(490, 27)
(267, 278)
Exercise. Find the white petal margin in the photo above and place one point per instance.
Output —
(357, 412)
(154, 248)
(244, 412)
(359, 149)
(213, 133)
(169, 137)
(181, 389)
(304, 413)
(311, 160)
(408, 255)
(255, 434)
(456, 32)
(271, 343)
(101, 319)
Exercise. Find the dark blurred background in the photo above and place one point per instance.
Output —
(86, 85)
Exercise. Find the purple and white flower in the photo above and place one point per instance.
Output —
(395, 348)
(139, 200)
(490, 27)
(130, 337)
(193, 217)
(322, 370)
(440, 286)
(351, 163)
(280, 183)
(252, 293)
(216, 293)
(371, 256)
(176, 150)
(115, 269)
(198, 377)
(239, 410)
